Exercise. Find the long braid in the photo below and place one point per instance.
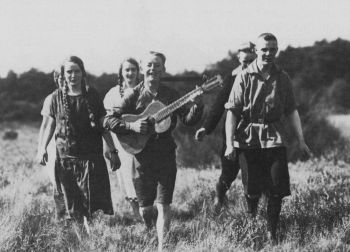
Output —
(67, 111)
(92, 117)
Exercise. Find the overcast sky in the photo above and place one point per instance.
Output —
(192, 33)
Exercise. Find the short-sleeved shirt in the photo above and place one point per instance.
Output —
(45, 111)
(260, 105)
(85, 140)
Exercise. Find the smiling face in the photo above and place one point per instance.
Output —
(153, 68)
(266, 51)
(72, 73)
(129, 73)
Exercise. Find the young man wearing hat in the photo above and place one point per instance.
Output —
(229, 168)
(260, 100)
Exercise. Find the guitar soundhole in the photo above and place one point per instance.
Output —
(163, 125)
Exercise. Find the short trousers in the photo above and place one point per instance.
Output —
(155, 177)
(264, 171)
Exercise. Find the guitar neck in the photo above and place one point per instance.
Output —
(165, 112)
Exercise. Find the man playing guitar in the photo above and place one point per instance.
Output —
(155, 180)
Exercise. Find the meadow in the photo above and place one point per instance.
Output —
(315, 218)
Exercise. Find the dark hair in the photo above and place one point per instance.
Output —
(268, 36)
(92, 118)
(56, 73)
(120, 72)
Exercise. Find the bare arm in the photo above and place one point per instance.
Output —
(47, 133)
(230, 127)
(110, 151)
(108, 140)
(43, 127)
(294, 120)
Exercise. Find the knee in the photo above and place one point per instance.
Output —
(163, 208)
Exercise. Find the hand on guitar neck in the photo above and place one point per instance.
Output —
(141, 126)
(198, 100)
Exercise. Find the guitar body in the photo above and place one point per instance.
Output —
(160, 115)
(134, 143)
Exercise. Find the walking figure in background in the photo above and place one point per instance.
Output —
(229, 168)
(50, 159)
(155, 179)
(129, 71)
(261, 99)
(74, 118)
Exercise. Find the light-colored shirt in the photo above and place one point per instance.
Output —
(45, 111)
(260, 105)
(129, 163)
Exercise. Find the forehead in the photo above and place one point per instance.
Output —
(127, 64)
(262, 43)
(151, 58)
(68, 65)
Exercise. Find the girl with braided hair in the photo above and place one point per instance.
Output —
(50, 159)
(75, 113)
(127, 79)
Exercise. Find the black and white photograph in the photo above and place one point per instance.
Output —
(159, 125)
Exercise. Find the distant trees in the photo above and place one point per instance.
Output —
(339, 93)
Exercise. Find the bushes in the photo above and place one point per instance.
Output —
(339, 94)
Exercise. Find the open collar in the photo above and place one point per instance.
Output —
(253, 68)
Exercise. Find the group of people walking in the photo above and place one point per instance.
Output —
(257, 96)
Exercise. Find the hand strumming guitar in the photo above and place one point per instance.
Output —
(140, 126)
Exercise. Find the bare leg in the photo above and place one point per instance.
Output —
(163, 223)
(147, 214)
(135, 208)
(86, 225)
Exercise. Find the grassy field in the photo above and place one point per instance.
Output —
(315, 218)
(342, 122)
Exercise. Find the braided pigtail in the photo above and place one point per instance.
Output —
(92, 117)
(67, 111)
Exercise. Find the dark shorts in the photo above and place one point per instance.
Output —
(264, 171)
(155, 179)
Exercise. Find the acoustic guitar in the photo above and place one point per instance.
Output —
(159, 114)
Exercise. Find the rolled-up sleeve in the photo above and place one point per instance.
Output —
(115, 123)
(235, 100)
(113, 120)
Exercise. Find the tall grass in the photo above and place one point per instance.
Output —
(314, 218)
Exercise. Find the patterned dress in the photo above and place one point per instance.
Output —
(80, 168)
